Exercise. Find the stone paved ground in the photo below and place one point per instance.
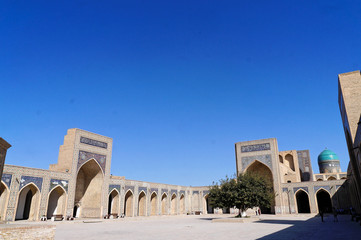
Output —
(201, 227)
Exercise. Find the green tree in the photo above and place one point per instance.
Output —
(246, 191)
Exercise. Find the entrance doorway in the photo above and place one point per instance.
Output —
(113, 202)
(128, 204)
(153, 204)
(303, 203)
(89, 185)
(56, 202)
(324, 201)
(141, 204)
(28, 203)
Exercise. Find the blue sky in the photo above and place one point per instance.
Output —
(175, 83)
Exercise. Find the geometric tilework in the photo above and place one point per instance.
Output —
(327, 188)
(58, 182)
(195, 192)
(266, 159)
(182, 192)
(304, 188)
(154, 190)
(7, 179)
(173, 192)
(164, 190)
(114, 186)
(85, 156)
(129, 187)
(284, 189)
(144, 189)
(38, 181)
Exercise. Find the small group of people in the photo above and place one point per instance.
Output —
(258, 211)
(335, 212)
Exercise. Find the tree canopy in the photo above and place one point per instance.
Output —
(248, 190)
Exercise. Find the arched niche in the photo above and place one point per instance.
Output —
(164, 205)
(331, 178)
(265, 172)
(153, 204)
(113, 202)
(56, 202)
(4, 196)
(88, 193)
(28, 203)
(280, 158)
(142, 204)
(128, 204)
(289, 162)
(324, 202)
(182, 204)
(303, 202)
(173, 204)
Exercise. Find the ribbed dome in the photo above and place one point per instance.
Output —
(327, 155)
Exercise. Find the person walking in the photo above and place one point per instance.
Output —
(334, 210)
(321, 215)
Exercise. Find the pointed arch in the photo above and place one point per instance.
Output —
(303, 202)
(323, 200)
(164, 204)
(128, 203)
(259, 168)
(28, 203)
(153, 203)
(56, 202)
(91, 159)
(173, 204)
(4, 198)
(113, 202)
(289, 161)
(88, 192)
(206, 206)
(142, 203)
(331, 178)
(182, 204)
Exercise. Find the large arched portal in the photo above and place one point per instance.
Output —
(262, 170)
(164, 204)
(141, 204)
(4, 194)
(324, 201)
(89, 185)
(128, 204)
(206, 206)
(182, 205)
(153, 204)
(28, 203)
(303, 203)
(56, 202)
(173, 204)
(113, 203)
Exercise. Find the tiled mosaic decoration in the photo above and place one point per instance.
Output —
(85, 156)
(6, 178)
(38, 181)
(58, 182)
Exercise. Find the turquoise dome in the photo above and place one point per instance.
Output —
(327, 155)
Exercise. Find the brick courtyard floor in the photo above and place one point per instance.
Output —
(202, 227)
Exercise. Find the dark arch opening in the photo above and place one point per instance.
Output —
(303, 203)
(29, 197)
(324, 201)
(75, 211)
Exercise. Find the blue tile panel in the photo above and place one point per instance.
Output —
(195, 192)
(173, 191)
(142, 189)
(114, 186)
(129, 187)
(265, 159)
(93, 142)
(58, 182)
(85, 156)
(304, 188)
(6, 178)
(284, 189)
(315, 188)
(154, 190)
(182, 192)
(256, 147)
(38, 181)
(164, 190)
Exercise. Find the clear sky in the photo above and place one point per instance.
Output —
(175, 83)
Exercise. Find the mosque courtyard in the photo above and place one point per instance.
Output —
(202, 227)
